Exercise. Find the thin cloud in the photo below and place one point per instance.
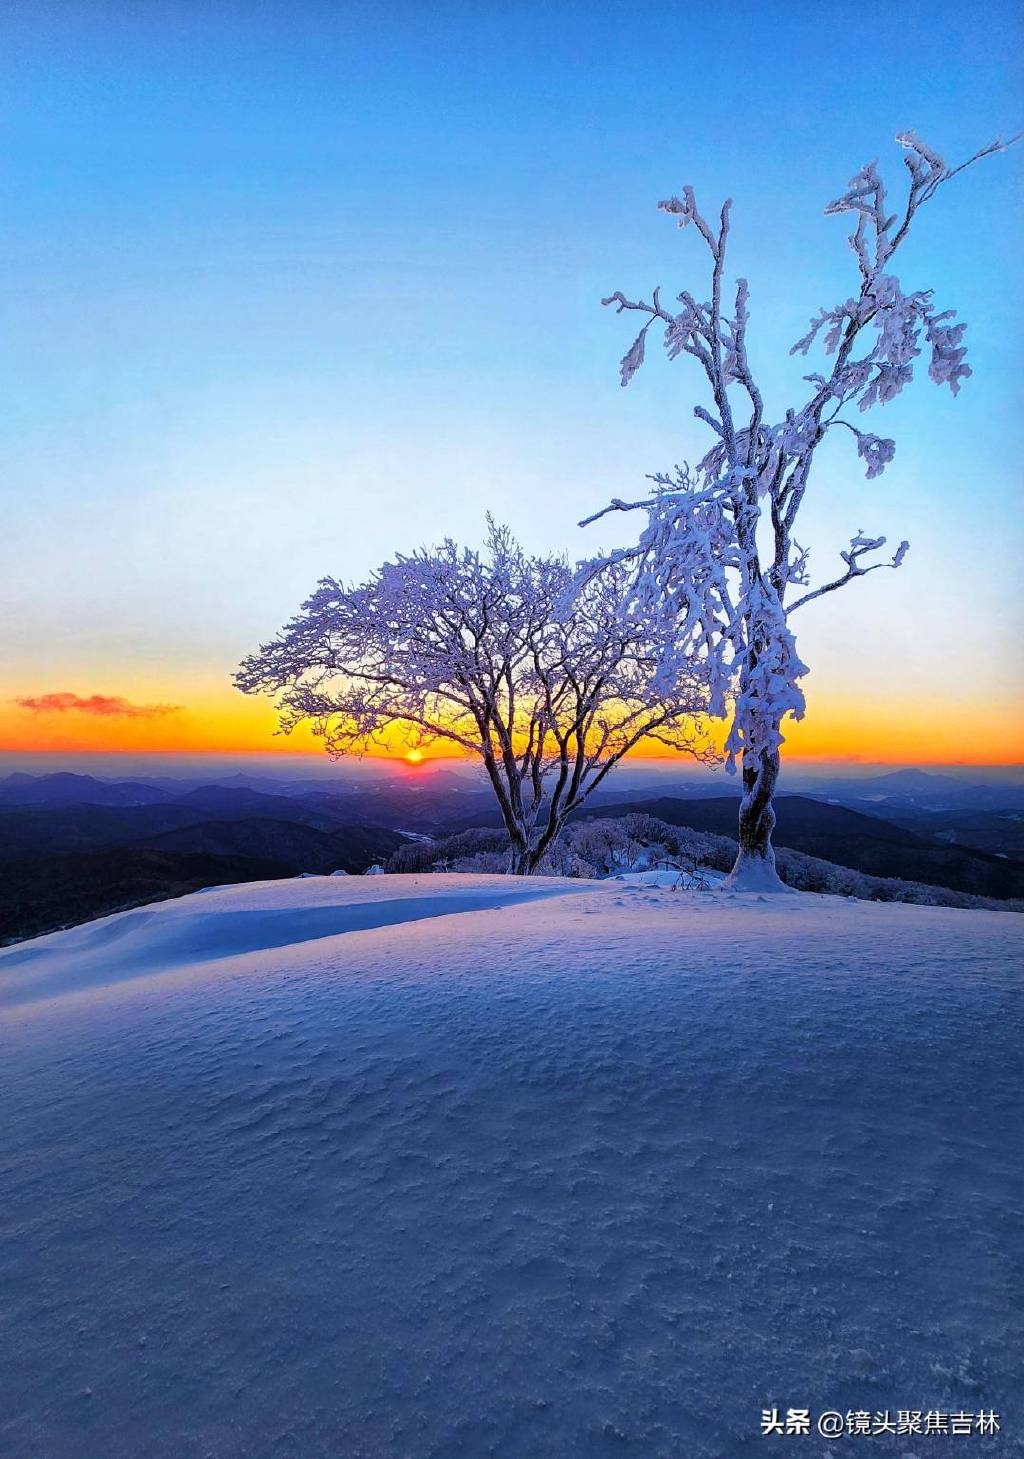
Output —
(107, 706)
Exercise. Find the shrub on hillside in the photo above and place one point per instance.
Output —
(606, 847)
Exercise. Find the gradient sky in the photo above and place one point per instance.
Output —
(287, 287)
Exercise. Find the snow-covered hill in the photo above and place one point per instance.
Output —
(466, 1166)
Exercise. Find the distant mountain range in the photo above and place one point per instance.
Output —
(63, 788)
(76, 846)
(918, 790)
(1001, 832)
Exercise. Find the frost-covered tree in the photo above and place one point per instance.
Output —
(718, 569)
(515, 659)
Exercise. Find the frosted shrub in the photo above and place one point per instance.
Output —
(597, 848)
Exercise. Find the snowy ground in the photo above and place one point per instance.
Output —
(457, 1166)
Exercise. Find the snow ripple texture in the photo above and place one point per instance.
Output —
(423, 1167)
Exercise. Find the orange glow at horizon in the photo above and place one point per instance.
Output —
(873, 731)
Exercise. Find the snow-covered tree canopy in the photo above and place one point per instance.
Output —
(516, 659)
(718, 570)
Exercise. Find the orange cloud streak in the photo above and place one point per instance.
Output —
(105, 705)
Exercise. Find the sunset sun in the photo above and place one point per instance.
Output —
(413, 757)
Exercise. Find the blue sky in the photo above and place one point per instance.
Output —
(288, 287)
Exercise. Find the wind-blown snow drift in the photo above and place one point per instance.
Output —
(442, 1165)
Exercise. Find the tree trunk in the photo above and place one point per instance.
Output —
(521, 863)
(754, 870)
(550, 835)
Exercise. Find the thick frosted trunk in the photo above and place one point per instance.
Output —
(754, 870)
(526, 858)
(524, 862)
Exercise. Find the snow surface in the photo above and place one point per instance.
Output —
(672, 879)
(467, 1166)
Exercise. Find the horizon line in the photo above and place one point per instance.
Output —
(668, 763)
